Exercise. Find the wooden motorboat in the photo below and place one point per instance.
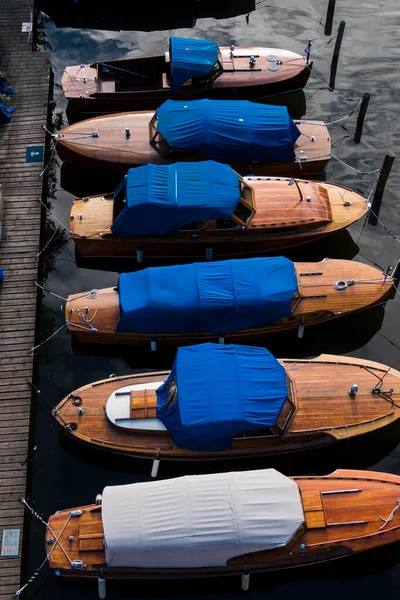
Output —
(191, 69)
(86, 14)
(318, 406)
(261, 214)
(144, 530)
(234, 300)
(253, 138)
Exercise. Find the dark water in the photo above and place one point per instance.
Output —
(66, 474)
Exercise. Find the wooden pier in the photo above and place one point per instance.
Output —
(21, 186)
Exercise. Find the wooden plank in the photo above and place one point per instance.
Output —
(315, 519)
(21, 215)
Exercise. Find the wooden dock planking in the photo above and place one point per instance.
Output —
(21, 186)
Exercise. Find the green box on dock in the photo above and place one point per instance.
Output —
(35, 153)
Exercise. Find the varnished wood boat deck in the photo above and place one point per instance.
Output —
(29, 73)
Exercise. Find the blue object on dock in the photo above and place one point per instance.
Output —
(5, 112)
(228, 129)
(1, 274)
(35, 153)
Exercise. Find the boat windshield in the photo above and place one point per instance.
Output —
(245, 208)
(171, 393)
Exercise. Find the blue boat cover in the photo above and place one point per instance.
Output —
(221, 391)
(190, 58)
(160, 199)
(229, 129)
(217, 297)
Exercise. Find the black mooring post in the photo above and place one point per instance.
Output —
(335, 56)
(361, 117)
(380, 188)
(396, 273)
(329, 17)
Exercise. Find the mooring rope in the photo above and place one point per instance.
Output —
(326, 85)
(55, 543)
(298, 12)
(390, 517)
(90, 328)
(53, 151)
(34, 348)
(49, 292)
(72, 82)
(353, 168)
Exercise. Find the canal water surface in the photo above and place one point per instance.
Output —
(65, 474)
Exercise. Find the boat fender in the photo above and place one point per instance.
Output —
(156, 465)
(209, 253)
(232, 50)
(221, 340)
(139, 256)
(252, 62)
(300, 331)
(76, 513)
(245, 580)
(99, 499)
(101, 588)
(153, 345)
(78, 564)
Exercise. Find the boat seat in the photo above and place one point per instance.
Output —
(143, 404)
(108, 83)
(91, 532)
(313, 509)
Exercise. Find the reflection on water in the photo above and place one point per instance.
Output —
(148, 16)
(67, 474)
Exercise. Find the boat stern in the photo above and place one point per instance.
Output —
(74, 540)
(93, 316)
(79, 82)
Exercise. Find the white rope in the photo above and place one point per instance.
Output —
(32, 350)
(48, 291)
(384, 226)
(313, 74)
(353, 168)
(56, 542)
(81, 326)
(72, 81)
(53, 151)
(32, 578)
(56, 219)
(347, 116)
(390, 517)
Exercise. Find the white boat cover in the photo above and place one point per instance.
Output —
(199, 521)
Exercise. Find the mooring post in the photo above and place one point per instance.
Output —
(329, 17)
(396, 273)
(361, 117)
(380, 188)
(335, 56)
